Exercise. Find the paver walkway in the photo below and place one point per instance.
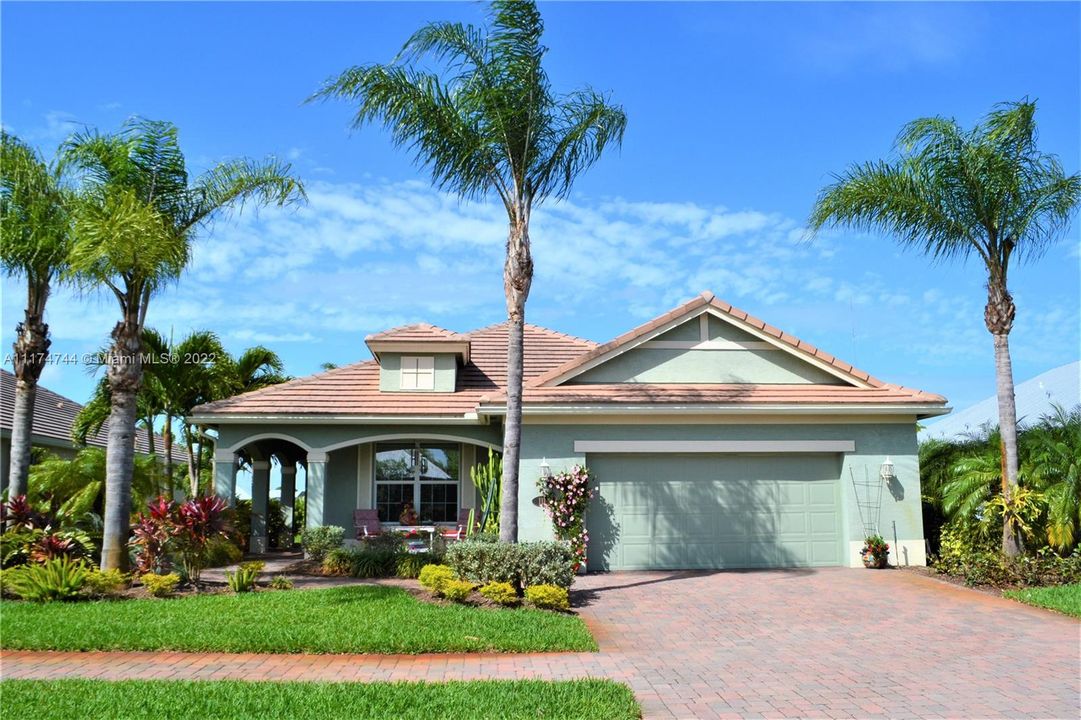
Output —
(824, 644)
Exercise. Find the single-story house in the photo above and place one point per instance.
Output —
(716, 440)
(54, 416)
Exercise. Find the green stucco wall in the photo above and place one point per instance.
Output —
(390, 376)
(900, 504)
(666, 365)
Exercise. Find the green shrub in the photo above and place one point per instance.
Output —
(362, 562)
(16, 544)
(160, 585)
(58, 579)
(964, 555)
(319, 541)
(521, 565)
(500, 593)
(548, 597)
(221, 552)
(105, 583)
(457, 590)
(280, 582)
(410, 564)
(338, 562)
(435, 577)
(243, 580)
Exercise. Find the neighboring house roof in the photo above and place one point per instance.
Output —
(552, 359)
(1034, 398)
(54, 415)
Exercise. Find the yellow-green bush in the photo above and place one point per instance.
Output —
(58, 579)
(435, 577)
(457, 590)
(500, 592)
(104, 583)
(548, 597)
(160, 585)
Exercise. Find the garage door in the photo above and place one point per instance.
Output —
(714, 511)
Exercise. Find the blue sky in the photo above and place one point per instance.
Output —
(738, 115)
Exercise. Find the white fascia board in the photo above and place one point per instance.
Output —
(714, 446)
(471, 418)
(664, 409)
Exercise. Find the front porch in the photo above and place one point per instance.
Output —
(338, 470)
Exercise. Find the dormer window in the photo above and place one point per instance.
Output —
(418, 372)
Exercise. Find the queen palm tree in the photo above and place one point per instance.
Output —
(489, 125)
(34, 242)
(132, 236)
(954, 193)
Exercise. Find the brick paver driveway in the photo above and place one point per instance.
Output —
(837, 643)
(833, 643)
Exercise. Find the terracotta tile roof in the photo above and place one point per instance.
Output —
(354, 389)
(417, 332)
(54, 415)
(705, 299)
(549, 355)
(641, 393)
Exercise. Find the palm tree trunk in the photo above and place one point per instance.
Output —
(998, 316)
(31, 351)
(193, 476)
(125, 375)
(517, 278)
(167, 438)
(150, 435)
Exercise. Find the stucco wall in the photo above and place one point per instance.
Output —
(900, 505)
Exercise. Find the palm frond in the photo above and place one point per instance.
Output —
(230, 185)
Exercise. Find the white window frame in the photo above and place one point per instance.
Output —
(418, 372)
(414, 447)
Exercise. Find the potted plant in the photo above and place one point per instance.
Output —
(875, 552)
(408, 516)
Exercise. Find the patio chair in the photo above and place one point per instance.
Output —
(367, 523)
(459, 531)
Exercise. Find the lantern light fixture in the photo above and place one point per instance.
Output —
(545, 468)
(887, 470)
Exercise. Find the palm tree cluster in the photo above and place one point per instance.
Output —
(962, 480)
(117, 213)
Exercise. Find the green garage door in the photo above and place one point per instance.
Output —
(714, 511)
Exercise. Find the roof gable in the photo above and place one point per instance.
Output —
(719, 327)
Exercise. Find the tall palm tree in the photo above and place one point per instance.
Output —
(954, 193)
(132, 235)
(489, 125)
(34, 241)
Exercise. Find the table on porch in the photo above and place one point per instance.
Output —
(415, 546)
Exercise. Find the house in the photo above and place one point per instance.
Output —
(717, 440)
(54, 416)
(1034, 398)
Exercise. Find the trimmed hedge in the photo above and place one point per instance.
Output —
(521, 564)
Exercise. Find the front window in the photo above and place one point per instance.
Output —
(425, 475)
(418, 373)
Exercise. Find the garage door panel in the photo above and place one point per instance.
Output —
(715, 512)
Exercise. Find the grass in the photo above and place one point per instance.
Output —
(349, 619)
(1064, 598)
(506, 699)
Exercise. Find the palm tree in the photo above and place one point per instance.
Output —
(255, 368)
(953, 193)
(132, 235)
(34, 241)
(490, 125)
(1052, 449)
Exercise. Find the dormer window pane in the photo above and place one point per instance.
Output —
(418, 372)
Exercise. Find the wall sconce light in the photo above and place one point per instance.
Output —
(886, 472)
(545, 468)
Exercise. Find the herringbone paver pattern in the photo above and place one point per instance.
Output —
(836, 643)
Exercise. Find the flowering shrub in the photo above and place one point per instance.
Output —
(565, 497)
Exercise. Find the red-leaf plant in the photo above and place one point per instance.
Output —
(17, 513)
(198, 521)
(153, 530)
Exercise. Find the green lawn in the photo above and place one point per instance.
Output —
(350, 619)
(66, 699)
(1064, 598)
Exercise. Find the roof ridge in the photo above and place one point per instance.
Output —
(422, 325)
(293, 383)
(534, 326)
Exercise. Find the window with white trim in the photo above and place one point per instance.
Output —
(422, 475)
(418, 372)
